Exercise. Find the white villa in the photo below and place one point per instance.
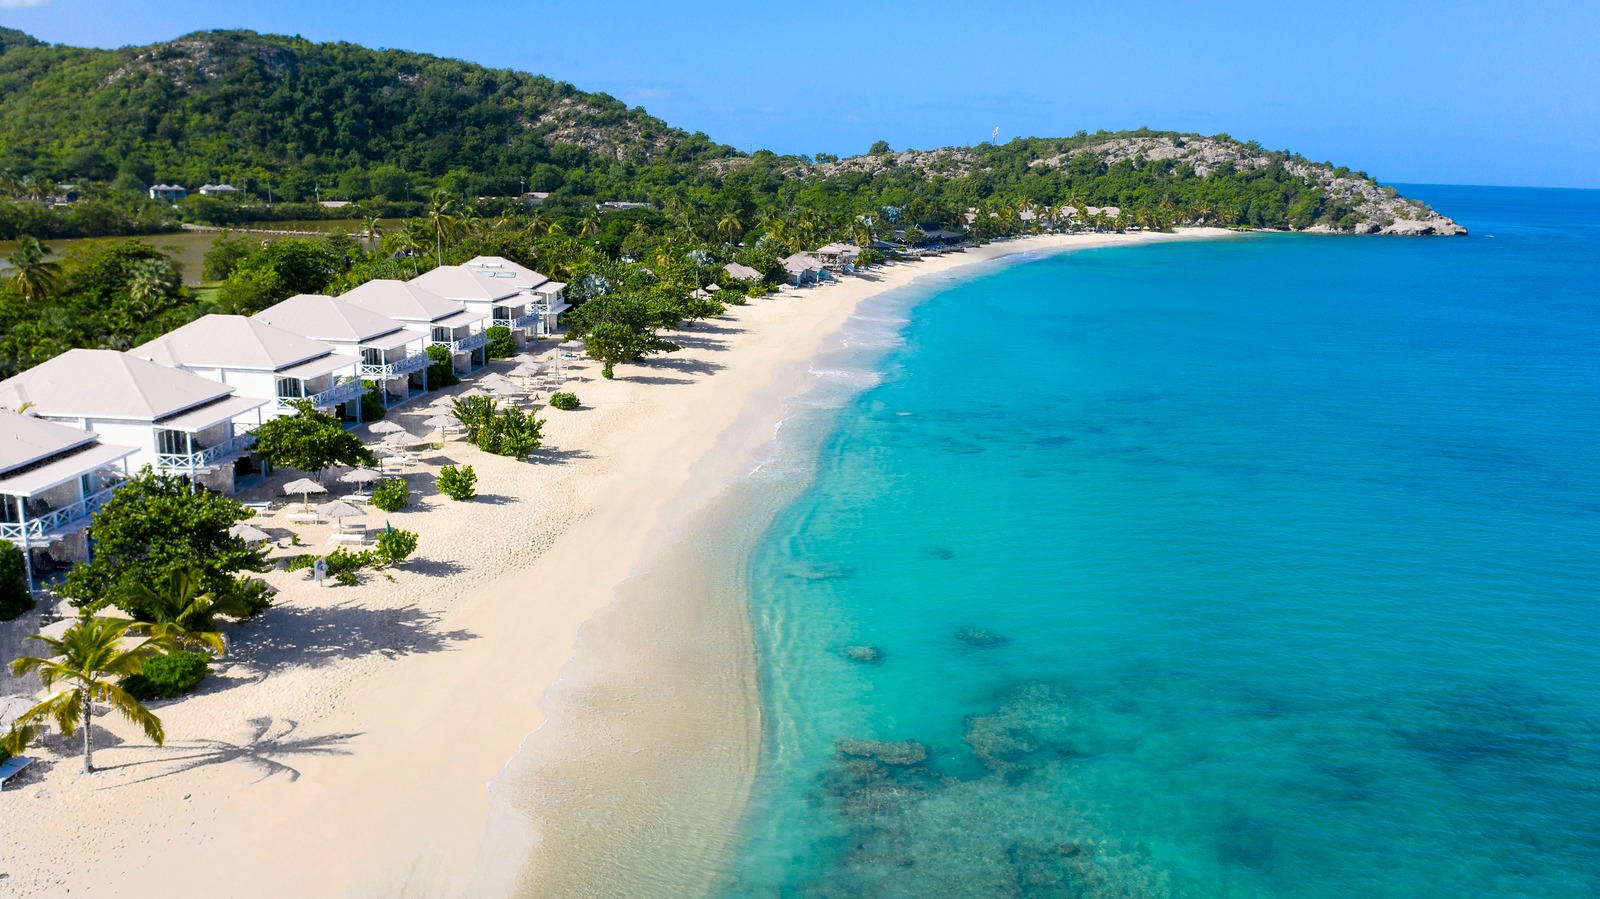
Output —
(838, 257)
(218, 190)
(513, 296)
(804, 269)
(387, 353)
(264, 362)
(175, 421)
(741, 272)
(442, 322)
(53, 478)
(168, 192)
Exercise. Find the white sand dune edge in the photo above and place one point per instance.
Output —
(346, 746)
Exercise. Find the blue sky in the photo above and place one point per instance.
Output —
(1460, 92)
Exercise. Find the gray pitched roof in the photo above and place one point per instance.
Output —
(25, 440)
(401, 300)
(231, 342)
(107, 384)
(327, 318)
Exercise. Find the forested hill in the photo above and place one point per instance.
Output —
(290, 121)
(244, 107)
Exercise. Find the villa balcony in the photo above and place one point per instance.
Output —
(56, 523)
(411, 363)
(329, 398)
(208, 458)
(464, 345)
(520, 323)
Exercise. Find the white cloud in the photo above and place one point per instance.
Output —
(22, 4)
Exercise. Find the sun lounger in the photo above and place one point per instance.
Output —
(347, 537)
(358, 498)
(11, 767)
(259, 507)
(303, 517)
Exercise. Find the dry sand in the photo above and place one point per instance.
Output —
(346, 745)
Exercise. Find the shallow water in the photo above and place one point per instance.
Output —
(1257, 567)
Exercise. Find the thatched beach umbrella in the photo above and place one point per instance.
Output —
(360, 476)
(443, 422)
(305, 487)
(490, 380)
(468, 394)
(339, 510)
(250, 534)
(405, 439)
(385, 427)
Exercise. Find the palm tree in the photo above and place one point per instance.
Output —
(589, 225)
(152, 280)
(372, 228)
(185, 612)
(442, 220)
(34, 277)
(88, 658)
(729, 225)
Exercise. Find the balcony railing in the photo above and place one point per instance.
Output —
(57, 522)
(518, 323)
(414, 362)
(464, 345)
(333, 396)
(205, 458)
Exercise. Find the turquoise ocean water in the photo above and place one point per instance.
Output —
(1258, 567)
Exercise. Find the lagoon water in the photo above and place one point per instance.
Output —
(1258, 567)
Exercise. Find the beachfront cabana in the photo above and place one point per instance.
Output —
(257, 359)
(387, 353)
(177, 422)
(53, 479)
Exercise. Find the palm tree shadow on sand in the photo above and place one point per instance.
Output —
(270, 742)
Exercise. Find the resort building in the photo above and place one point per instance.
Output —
(838, 257)
(176, 422)
(219, 190)
(262, 361)
(741, 272)
(804, 268)
(393, 357)
(168, 192)
(444, 323)
(53, 478)
(513, 296)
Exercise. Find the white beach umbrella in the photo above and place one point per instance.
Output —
(468, 394)
(442, 421)
(249, 533)
(492, 379)
(361, 476)
(405, 439)
(305, 487)
(385, 427)
(339, 510)
(528, 369)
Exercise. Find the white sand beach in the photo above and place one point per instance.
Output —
(346, 744)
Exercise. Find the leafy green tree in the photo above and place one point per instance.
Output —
(501, 344)
(311, 441)
(441, 368)
(227, 250)
(154, 281)
(154, 525)
(617, 328)
(35, 277)
(87, 659)
(391, 494)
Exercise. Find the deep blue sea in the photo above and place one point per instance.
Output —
(1266, 566)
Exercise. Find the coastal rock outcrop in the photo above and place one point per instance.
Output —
(866, 655)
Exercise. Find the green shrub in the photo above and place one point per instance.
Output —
(564, 401)
(395, 546)
(458, 483)
(168, 676)
(501, 346)
(441, 371)
(508, 432)
(391, 494)
(15, 597)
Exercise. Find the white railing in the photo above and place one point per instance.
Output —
(205, 458)
(521, 321)
(57, 522)
(413, 362)
(333, 396)
(465, 344)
